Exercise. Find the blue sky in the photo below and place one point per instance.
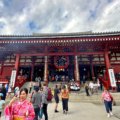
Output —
(58, 16)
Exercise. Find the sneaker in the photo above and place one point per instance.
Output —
(111, 113)
(108, 115)
(56, 111)
(63, 111)
(66, 112)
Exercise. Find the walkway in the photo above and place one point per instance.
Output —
(82, 111)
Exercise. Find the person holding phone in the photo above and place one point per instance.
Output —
(20, 107)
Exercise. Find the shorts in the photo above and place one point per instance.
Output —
(57, 99)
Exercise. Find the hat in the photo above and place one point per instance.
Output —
(36, 88)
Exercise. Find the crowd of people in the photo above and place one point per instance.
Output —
(92, 87)
(34, 108)
(32, 104)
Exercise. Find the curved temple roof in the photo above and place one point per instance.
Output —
(63, 35)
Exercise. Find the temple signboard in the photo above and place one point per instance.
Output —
(112, 78)
(13, 77)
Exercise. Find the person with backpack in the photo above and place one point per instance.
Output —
(36, 101)
(107, 99)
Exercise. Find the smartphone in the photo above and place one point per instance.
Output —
(16, 95)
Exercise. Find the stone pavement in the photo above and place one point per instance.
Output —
(82, 111)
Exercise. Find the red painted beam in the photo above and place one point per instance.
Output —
(63, 53)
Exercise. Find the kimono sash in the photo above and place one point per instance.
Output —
(17, 117)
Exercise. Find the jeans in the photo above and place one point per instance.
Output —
(36, 113)
(65, 104)
(45, 111)
(108, 106)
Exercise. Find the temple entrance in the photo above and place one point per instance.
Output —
(38, 72)
(98, 69)
(85, 73)
(60, 75)
(25, 71)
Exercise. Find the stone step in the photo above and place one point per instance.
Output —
(80, 96)
(95, 98)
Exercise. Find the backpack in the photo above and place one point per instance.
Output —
(50, 96)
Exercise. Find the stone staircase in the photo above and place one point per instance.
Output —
(80, 96)
(95, 98)
(26, 85)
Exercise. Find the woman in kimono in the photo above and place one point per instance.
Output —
(20, 108)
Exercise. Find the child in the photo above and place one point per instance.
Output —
(2, 104)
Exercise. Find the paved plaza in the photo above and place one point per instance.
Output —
(82, 111)
(82, 107)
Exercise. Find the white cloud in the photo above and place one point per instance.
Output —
(50, 16)
(109, 20)
(1, 4)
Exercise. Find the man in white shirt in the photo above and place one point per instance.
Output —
(91, 85)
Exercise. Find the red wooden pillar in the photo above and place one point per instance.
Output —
(90, 57)
(17, 62)
(1, 69)
(92, 68)
(32, 66)
(107, 63)
(46, 69)
(76, 70)
(32, 70)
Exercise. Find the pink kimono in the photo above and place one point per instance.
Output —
(23, 110)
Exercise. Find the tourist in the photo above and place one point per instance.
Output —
(37, 102)
(4, 92)
(9, 91)
(20, 107)
(65, 98)
(56, 78)
(107, 99)
(30, 87)
(87, 89)
(16, 91)
(91, 85)
(2, 104)
(45, 101)
(56, 97)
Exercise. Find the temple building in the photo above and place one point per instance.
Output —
(59, 57)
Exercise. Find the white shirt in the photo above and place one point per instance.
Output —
(91, 85)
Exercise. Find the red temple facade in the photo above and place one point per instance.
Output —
(73, 56)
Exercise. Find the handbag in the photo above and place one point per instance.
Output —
(114, 103)
(111, 97)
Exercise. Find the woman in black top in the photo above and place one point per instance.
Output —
(56, 97)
